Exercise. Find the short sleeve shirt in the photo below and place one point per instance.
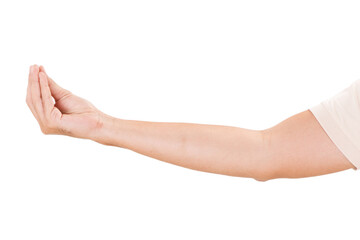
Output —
(339, 116)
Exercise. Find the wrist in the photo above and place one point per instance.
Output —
(107, 130)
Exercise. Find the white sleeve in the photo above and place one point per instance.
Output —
(339, 116)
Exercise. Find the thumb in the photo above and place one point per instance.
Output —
(56, 91)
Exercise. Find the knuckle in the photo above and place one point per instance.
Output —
(51, 125)
(65, 94)
(45, 130)
(53, 115)
(48, 124)
(38, 105)
(27, 100)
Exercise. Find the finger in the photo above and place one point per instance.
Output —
(29, 103)
(29, 82)
(28, 94)
(56, 91)
(35, 91)
(47, 101)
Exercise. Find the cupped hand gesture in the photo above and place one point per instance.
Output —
(67, 115)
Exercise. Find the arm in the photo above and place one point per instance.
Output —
(296, 147)
(211, 148)
(299, 147)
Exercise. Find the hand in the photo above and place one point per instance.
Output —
(68, 115)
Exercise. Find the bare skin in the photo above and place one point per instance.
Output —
(296, 147)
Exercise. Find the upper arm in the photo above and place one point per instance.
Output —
(299, 147)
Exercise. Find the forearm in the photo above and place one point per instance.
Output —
(211, 148)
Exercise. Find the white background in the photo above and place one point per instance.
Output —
(249, 64)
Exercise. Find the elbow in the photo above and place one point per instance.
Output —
(267, 169)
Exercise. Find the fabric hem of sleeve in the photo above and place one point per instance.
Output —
(343, 143)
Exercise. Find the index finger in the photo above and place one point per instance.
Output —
(35, 90)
